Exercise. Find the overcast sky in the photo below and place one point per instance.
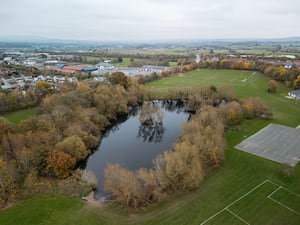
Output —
(150, 19)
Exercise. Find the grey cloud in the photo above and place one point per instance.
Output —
(141, 19)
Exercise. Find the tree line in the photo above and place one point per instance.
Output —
(66, 130)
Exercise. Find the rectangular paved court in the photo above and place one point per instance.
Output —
(275, 142)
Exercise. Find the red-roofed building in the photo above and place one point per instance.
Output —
(72, 69)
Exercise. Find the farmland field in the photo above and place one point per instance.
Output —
(245, 189)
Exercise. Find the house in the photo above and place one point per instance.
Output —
(101, 72)
(8, 83)
(59, 79)
(60, 65)
(72, 79)
(100, 79)
(288, 65)
(89, 69)
(51, 61)
(104, 66)
(150, 68)
(29, 62)
(49, 79)
(295, 94)
(27, 79)
(39, 78)
(72, 69)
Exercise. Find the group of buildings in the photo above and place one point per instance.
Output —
(56, 64)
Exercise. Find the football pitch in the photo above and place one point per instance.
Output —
(256, 206)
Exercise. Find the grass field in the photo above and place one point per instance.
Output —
(17, 116)
(244, 190)
(245, 83)
(267, 198)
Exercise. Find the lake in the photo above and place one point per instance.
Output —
(133, 145)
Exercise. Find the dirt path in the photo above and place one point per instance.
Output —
(92, 201)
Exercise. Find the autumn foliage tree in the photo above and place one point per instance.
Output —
(42, 88)
(60, 164)
(232, 113)
(199, 149)
(119, 78)
(272, 86)
(73, 146)
(296, 83)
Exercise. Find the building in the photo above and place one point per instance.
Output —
(295, 94)
(150, 68)
(104, 66)
(72, 69)
(89, 69)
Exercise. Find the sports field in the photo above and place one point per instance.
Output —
(267, 198)
(245, 189)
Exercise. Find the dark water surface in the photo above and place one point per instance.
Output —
(133, 145)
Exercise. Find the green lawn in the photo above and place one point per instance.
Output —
(17, 116)
(172, 63)
(126, 62)
(245, 83)
(92, 59)
(240, 174)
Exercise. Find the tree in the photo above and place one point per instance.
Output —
(296, 83)
(248, 109)
(272, 86)
(122, 184)
(3, 103)
(260, 108)
(5, 127)
(89, 178)
(180, 169)
(232, 113)
(42, 88)
(4, 180)
(60, 164)
(74, 146)
(282, 73)
(187, 68)
(119, 78)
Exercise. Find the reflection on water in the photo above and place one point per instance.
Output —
(133, 144)
(151, 133)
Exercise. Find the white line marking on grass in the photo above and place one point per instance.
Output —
(272, 183)
(274, 192)
(213, 216)
(246, 194)
(231, 204)
(237, 216)
(249, 192)
(283, 205)
(278, 202)
(291, 191)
